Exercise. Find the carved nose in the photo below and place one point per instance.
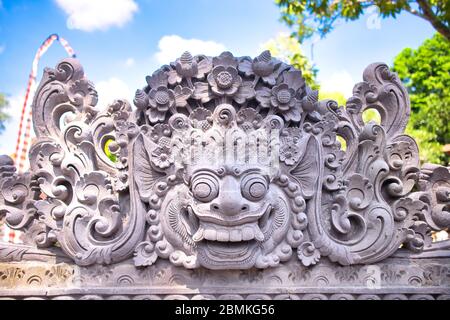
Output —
(230, 201)
(229, 208)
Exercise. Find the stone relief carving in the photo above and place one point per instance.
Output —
(390, 279)
(225, 163)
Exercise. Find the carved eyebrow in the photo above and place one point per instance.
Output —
(203, 170)
(258, 170)
(226, 170)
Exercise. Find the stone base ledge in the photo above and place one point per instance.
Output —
(394, 278)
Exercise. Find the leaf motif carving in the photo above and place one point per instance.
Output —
(146, 177)
(306, 172)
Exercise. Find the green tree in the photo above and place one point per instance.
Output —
(288, 50)
(309, 17)
(333, 95)
(3, 115)
(368, 115)
(425, 72)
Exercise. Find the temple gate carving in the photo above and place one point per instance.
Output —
(226, 168)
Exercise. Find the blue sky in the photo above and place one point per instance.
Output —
(119, 42)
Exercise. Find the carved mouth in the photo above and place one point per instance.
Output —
(232, 255)
(235, 246)
(237, 233)
(221, 241)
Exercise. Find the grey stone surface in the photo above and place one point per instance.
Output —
(398, 278)
(228, 166)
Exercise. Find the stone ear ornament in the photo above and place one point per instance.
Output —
(225, 163)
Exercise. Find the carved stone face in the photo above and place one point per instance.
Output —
(228, 216)
(224, 193)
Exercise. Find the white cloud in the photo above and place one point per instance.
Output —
(90, 15)
(2, 49)
(129, 62)
(173, 46)
(340, 81)
(112, 89)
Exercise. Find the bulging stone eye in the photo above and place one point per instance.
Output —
(254, 187)
(205, 187)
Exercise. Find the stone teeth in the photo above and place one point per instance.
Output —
(235, 235)
(223, 235)
(199, 235)
(245, 233)
(211, 234)
(248, 234)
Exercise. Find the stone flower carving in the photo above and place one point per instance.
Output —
(159, 99)
(309, 103)
(289, 152)
(292, 145)
(145, 254)
(263, 66)
(162, 157)
(249, 119)
(225, 59)
(160, 132)
(201, 118)
(187, 67)
(284, 98)
(308, 254)
(224, 81)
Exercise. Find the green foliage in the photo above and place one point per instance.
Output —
(335, 95)
(425, 72)
(371, 115)
(288, 50)
(108, 152)
(3, 115)
(309, 17)
(368, 115)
